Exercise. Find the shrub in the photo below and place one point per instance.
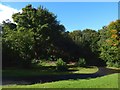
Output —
(113, 64)
(61, 65)
(117, 65)
(81, 62)
(110, 64)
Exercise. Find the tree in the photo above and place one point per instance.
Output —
(110, 44)
(43, 24)
(33, 35)
(17, 45)
(86, 41)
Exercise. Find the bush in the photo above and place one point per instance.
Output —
(61, 65)
(110, 64)
(113, 64)
(117, 65)
(81, 62)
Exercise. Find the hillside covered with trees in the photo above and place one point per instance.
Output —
(37, 35)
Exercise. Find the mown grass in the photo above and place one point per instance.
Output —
(84, 70)
(109, 81)
(47, 71)
(47, 68)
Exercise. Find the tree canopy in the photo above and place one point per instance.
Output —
(110, 43)
(36, 34)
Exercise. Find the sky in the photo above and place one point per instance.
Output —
(73, 15)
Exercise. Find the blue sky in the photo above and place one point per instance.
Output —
(78, 15)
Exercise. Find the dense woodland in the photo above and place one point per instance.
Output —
(37, 35)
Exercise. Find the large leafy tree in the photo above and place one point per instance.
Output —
(110, 43)
(44, 26)
(33, 36)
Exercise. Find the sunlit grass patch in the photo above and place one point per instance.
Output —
(109, 81)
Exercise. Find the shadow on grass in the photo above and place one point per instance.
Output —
(106, 71)
(102, 71)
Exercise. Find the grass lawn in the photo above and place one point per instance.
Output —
(47, 68)
(109, 81)
(48, 71)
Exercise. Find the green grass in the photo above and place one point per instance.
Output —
(84, 70)
(47, 70)
(109, 81)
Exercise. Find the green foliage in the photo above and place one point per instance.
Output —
(109, 44)
(86, 43)
(61, 65)
(17, 45)
(38, 35)
(81, 62)
(113, 64)
(44, 26)
(32, 37)
(117, 64)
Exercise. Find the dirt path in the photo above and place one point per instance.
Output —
(45, 78)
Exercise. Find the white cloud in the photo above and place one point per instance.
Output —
(6, 12)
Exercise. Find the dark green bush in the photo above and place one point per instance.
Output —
(61, 65)
(117, 65)
(110, 64)
(81, 62)
(113, 64)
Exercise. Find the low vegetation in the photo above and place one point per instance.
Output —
(47, 69)
(81, 62)
(109, 81)
(61, 65)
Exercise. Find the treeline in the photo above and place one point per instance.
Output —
(37, 35)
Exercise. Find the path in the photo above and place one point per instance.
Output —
(45, 78)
